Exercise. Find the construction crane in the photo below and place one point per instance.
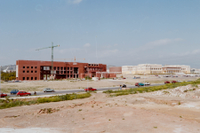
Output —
(52, 47)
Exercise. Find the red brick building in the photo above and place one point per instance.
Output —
(115, 69)
(41, 70)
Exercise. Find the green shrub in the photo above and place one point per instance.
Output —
(152, 88)
(13, 103)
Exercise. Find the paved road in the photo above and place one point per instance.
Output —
(81, 90)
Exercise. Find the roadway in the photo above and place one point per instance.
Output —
(81, 90)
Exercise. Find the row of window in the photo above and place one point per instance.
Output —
(29, 67)
(28, 71)
(29, 78)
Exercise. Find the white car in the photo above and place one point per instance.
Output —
(147, 84)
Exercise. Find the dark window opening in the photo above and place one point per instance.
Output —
(64, 68)
(27, 71)
(58, 68)
(35, 71)
(23, 78)
(61, 68)
(68, 68)
(23, 66)
(31, 78)
(64, 71)
(35, 67)
(35, 78)
(54, 68)
(23, 71)
(27, 66)
(31, 71)
(31, 67)
(27, 78)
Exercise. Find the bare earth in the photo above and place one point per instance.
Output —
(168, 111)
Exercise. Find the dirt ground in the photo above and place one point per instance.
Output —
(166, 111)
(74, 84)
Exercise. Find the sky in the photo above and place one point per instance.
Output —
(112, 32)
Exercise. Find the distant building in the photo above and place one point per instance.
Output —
(41, 70)
(176, 69)
(115, 69)
(142, 69)
(155, 69)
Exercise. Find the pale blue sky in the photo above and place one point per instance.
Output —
(113, 32)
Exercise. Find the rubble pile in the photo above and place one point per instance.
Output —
(183, 91)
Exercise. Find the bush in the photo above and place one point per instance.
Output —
(152, 88)
(13, 103)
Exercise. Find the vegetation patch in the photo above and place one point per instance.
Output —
(8, 103)
(151, 88)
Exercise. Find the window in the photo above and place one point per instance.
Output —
(31, 78)
(31, 71)
(23, 66)
(27, 71)
(57, 68)
(27, 78)
(31, 67)
(35, 67)
(64, 68)
(27, 66)
(61, 68)
(35, 71)
(23, 71)
(35, 78)
(54, 68)
(23, 78)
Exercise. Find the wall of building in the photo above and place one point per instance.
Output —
(115, 69)
(41, 70)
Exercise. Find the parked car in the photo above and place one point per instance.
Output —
(147, 84)
(123, 86)
(14, 91)
(48, 90)
(139, 84)
(3, 94)
(174, 81)
(23, 93)
(166, 82)
(90, 89)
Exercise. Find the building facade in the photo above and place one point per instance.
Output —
(155, 69)
(115, 69)
(41, 70)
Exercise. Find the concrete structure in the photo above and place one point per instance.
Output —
(142, 69)
(41, 70)
(155, 69)
(176, 69)
(194, 71)
(115, 69)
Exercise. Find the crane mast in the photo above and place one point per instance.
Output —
(52, 47)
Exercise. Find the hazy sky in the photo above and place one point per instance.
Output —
(113, 32)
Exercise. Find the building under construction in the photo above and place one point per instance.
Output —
(41, 70)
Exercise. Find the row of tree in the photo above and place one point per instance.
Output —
(8, 76)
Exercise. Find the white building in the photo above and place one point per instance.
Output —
(155, 69)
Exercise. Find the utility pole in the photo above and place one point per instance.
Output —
(52, 47)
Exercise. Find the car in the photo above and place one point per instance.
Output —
(147, 84)
(123, 86)
(174, 81)
(90, 89)
(23, 93)
(166, 82)
(3, 95)
(14, 91)
(48, 90)
(139, 84)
